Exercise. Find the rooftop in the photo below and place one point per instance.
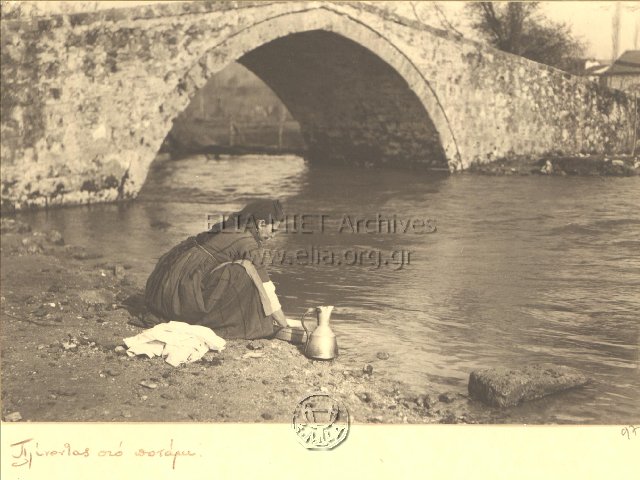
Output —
(627, 63)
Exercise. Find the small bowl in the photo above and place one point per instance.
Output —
(294, 333)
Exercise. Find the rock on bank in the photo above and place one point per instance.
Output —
(504, 387)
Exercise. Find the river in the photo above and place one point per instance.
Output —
(521, 269)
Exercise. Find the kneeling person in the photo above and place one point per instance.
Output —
(217, 278)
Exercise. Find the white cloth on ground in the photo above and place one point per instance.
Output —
(178, 342)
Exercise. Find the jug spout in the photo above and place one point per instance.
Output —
(324, 314)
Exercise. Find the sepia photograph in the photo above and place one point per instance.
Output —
(320, 214)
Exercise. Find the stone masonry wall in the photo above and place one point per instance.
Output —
(87, 99)
(365, 115)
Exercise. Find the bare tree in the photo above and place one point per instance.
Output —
(520, 28)
(440, 14)
(503, 23)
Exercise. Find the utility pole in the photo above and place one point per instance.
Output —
(616, 24)
(615, 33)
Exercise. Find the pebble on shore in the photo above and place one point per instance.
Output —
(13, 417)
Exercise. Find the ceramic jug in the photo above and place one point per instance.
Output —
(321, 342)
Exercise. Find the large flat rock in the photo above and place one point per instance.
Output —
(505, 387)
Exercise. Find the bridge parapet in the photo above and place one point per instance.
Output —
(87, 99)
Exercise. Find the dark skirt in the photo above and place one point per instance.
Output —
(186, 286)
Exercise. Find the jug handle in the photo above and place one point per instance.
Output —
(309, 310)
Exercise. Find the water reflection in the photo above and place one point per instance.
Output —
(521, 269)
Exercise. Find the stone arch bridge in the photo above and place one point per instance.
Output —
(87, 99)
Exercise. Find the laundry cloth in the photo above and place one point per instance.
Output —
(178, 342)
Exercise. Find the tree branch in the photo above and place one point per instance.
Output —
(444, 20)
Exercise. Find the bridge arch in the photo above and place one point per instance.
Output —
(396, 118)
(87, 99)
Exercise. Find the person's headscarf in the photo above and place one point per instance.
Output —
(267, 210)
(250, 216)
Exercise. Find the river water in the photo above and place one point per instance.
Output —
(520, 269)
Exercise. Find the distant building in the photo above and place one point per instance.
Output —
(624, 74)
(593, 69)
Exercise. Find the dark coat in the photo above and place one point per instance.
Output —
(189, 285)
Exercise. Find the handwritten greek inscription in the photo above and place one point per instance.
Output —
(25, 451)
(170, 452)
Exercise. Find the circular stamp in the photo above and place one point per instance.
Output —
(320, 422)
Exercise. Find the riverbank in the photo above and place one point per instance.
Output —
(66, 310)
(580, 165)
(212, 137)
(584, 165)
(588, 165)
(213, 152)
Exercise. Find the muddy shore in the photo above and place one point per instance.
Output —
(66, 311)
(622, 165)
(557, 165)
